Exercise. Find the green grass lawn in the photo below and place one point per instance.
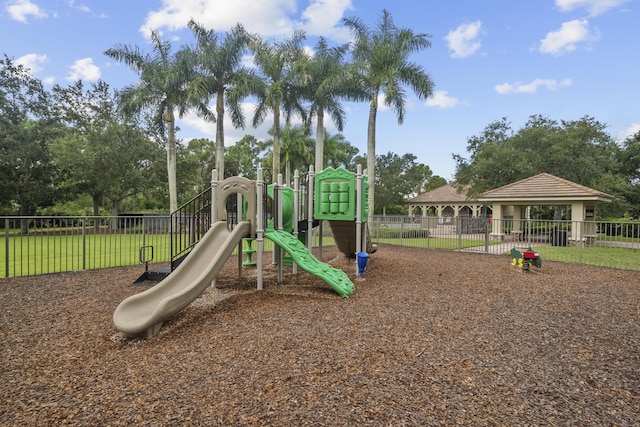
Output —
(433, 242)
(43, 254)
(604, 256)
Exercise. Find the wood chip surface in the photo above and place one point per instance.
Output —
(429, 338)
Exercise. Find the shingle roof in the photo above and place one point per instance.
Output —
(446, 194)
(544, 186)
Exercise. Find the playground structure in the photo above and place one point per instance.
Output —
(143, 314)
(523, 259)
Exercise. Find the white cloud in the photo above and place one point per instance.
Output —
(273, 18)
(265, 17)
(381, 104)
(19, 10)
(84, 69)
(322, 17)
(32, 61)
(441, 100)
(463, 41)
(567, 38)
(629, 132)
(80, 7)
(519, 87)
(594, 7)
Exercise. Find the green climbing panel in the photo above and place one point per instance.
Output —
(287, 207)
(334, 277)
(335, 195)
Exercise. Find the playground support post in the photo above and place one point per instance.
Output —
(359, 246)
(310, 198)
(296, 215)
(277, 192)
(259, 225)
(321, 232)
(214, 205)
(239, 219)
(365, 243)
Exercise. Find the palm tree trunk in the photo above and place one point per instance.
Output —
(320, 141)
(171, 159)
(371, 154)
(220, 133)
(276, 145)
(287, 172)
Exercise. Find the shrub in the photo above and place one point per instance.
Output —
(397, 233)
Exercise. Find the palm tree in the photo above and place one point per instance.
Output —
(381, 63)
(219, 73)
(326, 82)
(339, 152)
(162, 87)
(297, 146)
(278, 92)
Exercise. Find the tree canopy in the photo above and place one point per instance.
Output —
(27, 174)
(580, 151)
(69, 142)
(162, 88)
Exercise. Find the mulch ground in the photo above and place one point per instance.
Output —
(428, 338)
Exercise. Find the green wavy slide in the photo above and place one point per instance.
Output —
(334, 277)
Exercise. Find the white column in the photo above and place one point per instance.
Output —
(577, 220)
(497, 220)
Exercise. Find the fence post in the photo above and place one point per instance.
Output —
(84, 243)
(144, 231)
(6, 247)
(486, 236)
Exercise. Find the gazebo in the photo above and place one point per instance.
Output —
(545, 190)
(445, 201)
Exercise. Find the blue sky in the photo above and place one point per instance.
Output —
(489, 59)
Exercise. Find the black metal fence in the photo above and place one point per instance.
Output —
(607, 244)
(43, 245)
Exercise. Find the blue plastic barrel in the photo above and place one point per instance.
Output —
(362, 259)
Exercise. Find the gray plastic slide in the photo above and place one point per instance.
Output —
(141, 315)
